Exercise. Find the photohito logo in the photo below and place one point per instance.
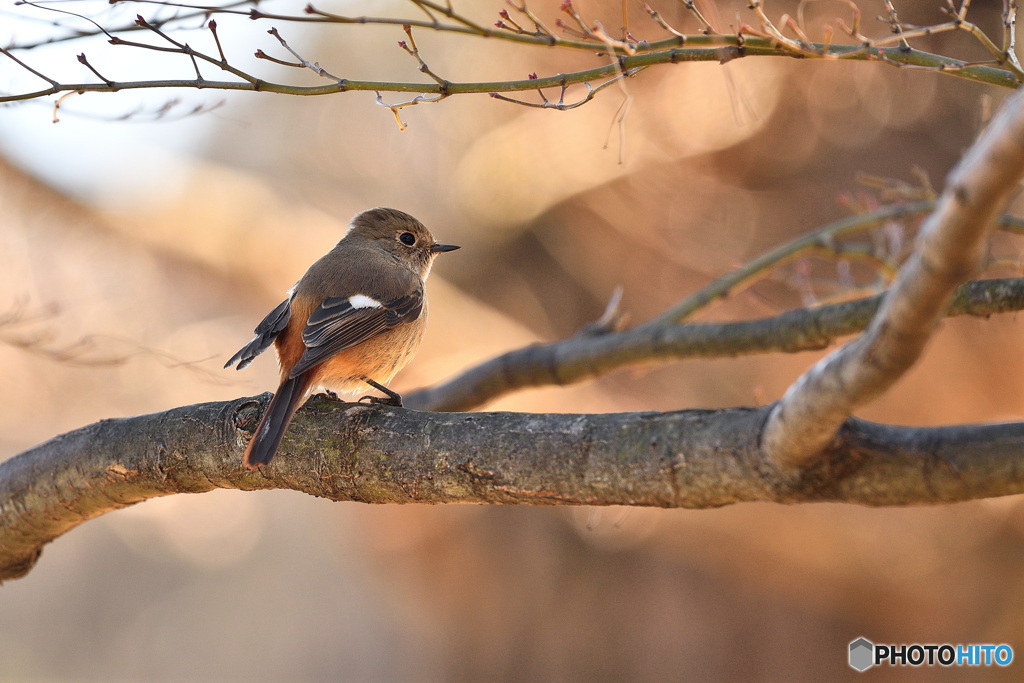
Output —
(864, 654)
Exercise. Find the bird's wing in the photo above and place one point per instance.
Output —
(340, 323)
(266, 333)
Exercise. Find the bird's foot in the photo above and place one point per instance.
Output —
(395, 401)
(393, 398)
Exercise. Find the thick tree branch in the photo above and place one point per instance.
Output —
(950, 247)
(373, 454)
(585, 356)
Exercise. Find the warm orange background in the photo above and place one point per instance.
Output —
(718, 164)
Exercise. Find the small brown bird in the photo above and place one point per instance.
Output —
(356, 317)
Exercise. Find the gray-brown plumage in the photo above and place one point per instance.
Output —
(355, 318)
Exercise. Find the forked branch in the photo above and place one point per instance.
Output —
(950, 248)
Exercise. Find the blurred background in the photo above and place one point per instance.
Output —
(140, 245)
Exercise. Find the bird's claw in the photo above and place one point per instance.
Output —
(383, 400)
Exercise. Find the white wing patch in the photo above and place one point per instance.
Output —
(363, 301)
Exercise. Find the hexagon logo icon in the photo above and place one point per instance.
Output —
(862, 654)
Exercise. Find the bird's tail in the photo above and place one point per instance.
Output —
(275, 421)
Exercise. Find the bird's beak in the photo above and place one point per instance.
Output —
(441, 248)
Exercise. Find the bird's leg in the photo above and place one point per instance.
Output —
(393, 398)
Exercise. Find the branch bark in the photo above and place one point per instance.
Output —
(949, 249)
(376, 454)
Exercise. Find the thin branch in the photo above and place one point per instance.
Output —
(612, 319)
(90, 67)
(894, 23)
(561, 104)
(591, 38)
(802, 47)
(630, 55)
(25, 66)
(128, 27)
(706, 26)
(260, 54)
(950, 248)
(426, 10)
(60, 101)
(823, 239)
(396, 108)
(98, 28)
(447, 11)
(314, 66)
(413, 50)
(660, 21)
(750, 271)
(539, 28)
(589, 355)
(212, 25)
(1010, 32)
(30, 331)
(751, 47)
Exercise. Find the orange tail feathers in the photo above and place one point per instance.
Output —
(275, 421)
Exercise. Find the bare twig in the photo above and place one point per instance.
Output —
(29, 331)
(596, 38)
(894, 23)
(213, 29)
(540, 28)
(707, 28)
(312, 66)
(25, 66)
(413, 50)
(660, 21)
(60, 101)
(90, 67)
(561, 104)
(826, 236)
(395, 108)
(260, 54)
(751, 46)
(1010, 32)
(611, 320)
(77, 34)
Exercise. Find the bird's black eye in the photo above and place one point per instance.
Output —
(407, 238)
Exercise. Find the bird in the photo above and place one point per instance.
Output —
(353, 320)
